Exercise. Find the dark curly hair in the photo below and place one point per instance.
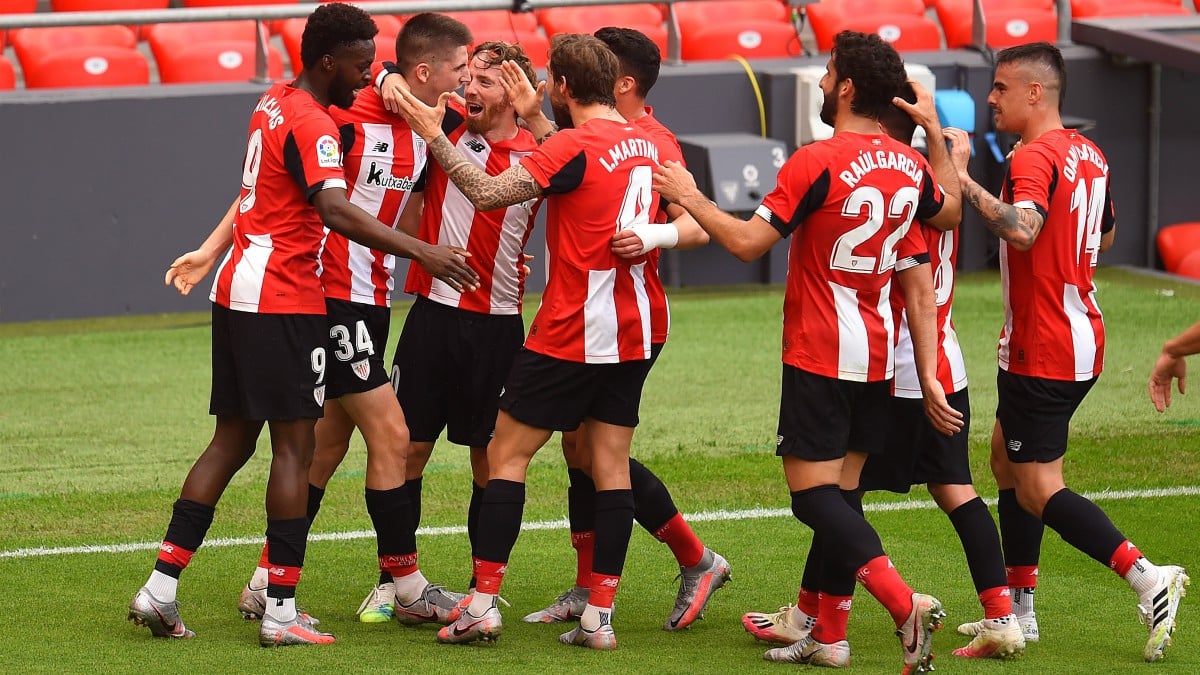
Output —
(331, 26)
(897, 123)
(640, 58)
(587, 64)
(1043, 55)
(873, 66)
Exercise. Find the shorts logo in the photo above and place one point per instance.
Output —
(361, 368)
(319, 395)
(779, 440)
(1014, 446)
(328, 154)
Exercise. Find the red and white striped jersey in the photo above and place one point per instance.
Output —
(495, 239)
(292, 153)
(849, 201)
(660, 311)
(1053, 328)
(384, 163)
(942, 249)
(597, 181)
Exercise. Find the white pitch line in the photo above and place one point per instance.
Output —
(561, 524)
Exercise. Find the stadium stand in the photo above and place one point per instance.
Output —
(215, 61)
(106, 5)
(291, 30)
(748, 39)
(1175, 243)
(98, 66)
(1009, 22)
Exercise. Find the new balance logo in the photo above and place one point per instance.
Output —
(475, 145)
(276, 571)
(611, 582)
(166, 548)
(381, 147)
(389, 182)
(843, 605)
(1014, 446)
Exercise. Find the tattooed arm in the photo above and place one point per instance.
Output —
(513, 186)
(1019, 227)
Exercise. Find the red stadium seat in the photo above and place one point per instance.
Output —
(31, 43)
(588, 19)
(291, 30)
(901, 21)
(8, 77)
(1085, 9)
(1007, 23)
(101, 66)
(1190, 267)
(645, 18)
(696, 15)
(18, 6)
(748, 39)
(105, 5)
(231, 3)
(496, 22)
(1176, 242)
(220, 61)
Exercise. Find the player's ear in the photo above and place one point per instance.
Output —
(422, 72)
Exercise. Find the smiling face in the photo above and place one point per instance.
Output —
(1010, 98)
(450, 70)
(352, 72)
(487, 104)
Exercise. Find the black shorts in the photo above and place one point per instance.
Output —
(358, 334)
(550, 393)
(449, 369)
(821, 418)
(916, 453)
(267, 366)
(1035, 414)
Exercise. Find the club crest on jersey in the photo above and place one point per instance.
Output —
(319, 395)
(328, 154)
(361, 368)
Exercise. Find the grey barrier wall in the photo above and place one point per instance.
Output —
(102, 191)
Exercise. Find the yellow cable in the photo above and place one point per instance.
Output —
(762, 108)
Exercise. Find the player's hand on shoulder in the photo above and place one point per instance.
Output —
(673, 181)
(390, 89)
(449, 263)
(188, 270)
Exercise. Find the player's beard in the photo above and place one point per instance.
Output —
(562, 116)
(829, 108)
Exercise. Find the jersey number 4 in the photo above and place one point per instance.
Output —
(635, 205)
(1088, 210)
(868, 201)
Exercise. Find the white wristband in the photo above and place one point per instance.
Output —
(655, 236)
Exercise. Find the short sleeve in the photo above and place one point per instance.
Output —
(1031, 178)
(932, 195)
(797, 194)
(312, 153)
(558, 164)
(913, 248)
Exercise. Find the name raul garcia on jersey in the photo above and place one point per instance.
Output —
(866, 162)
(630, 147)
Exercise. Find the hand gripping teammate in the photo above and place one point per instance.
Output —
(1054, 218)
(849, 204)
(269, 324)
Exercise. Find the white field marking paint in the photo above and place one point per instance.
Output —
(561, 524)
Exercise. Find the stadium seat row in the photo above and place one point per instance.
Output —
(225, 51)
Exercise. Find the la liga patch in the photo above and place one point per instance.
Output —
(328, 154)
